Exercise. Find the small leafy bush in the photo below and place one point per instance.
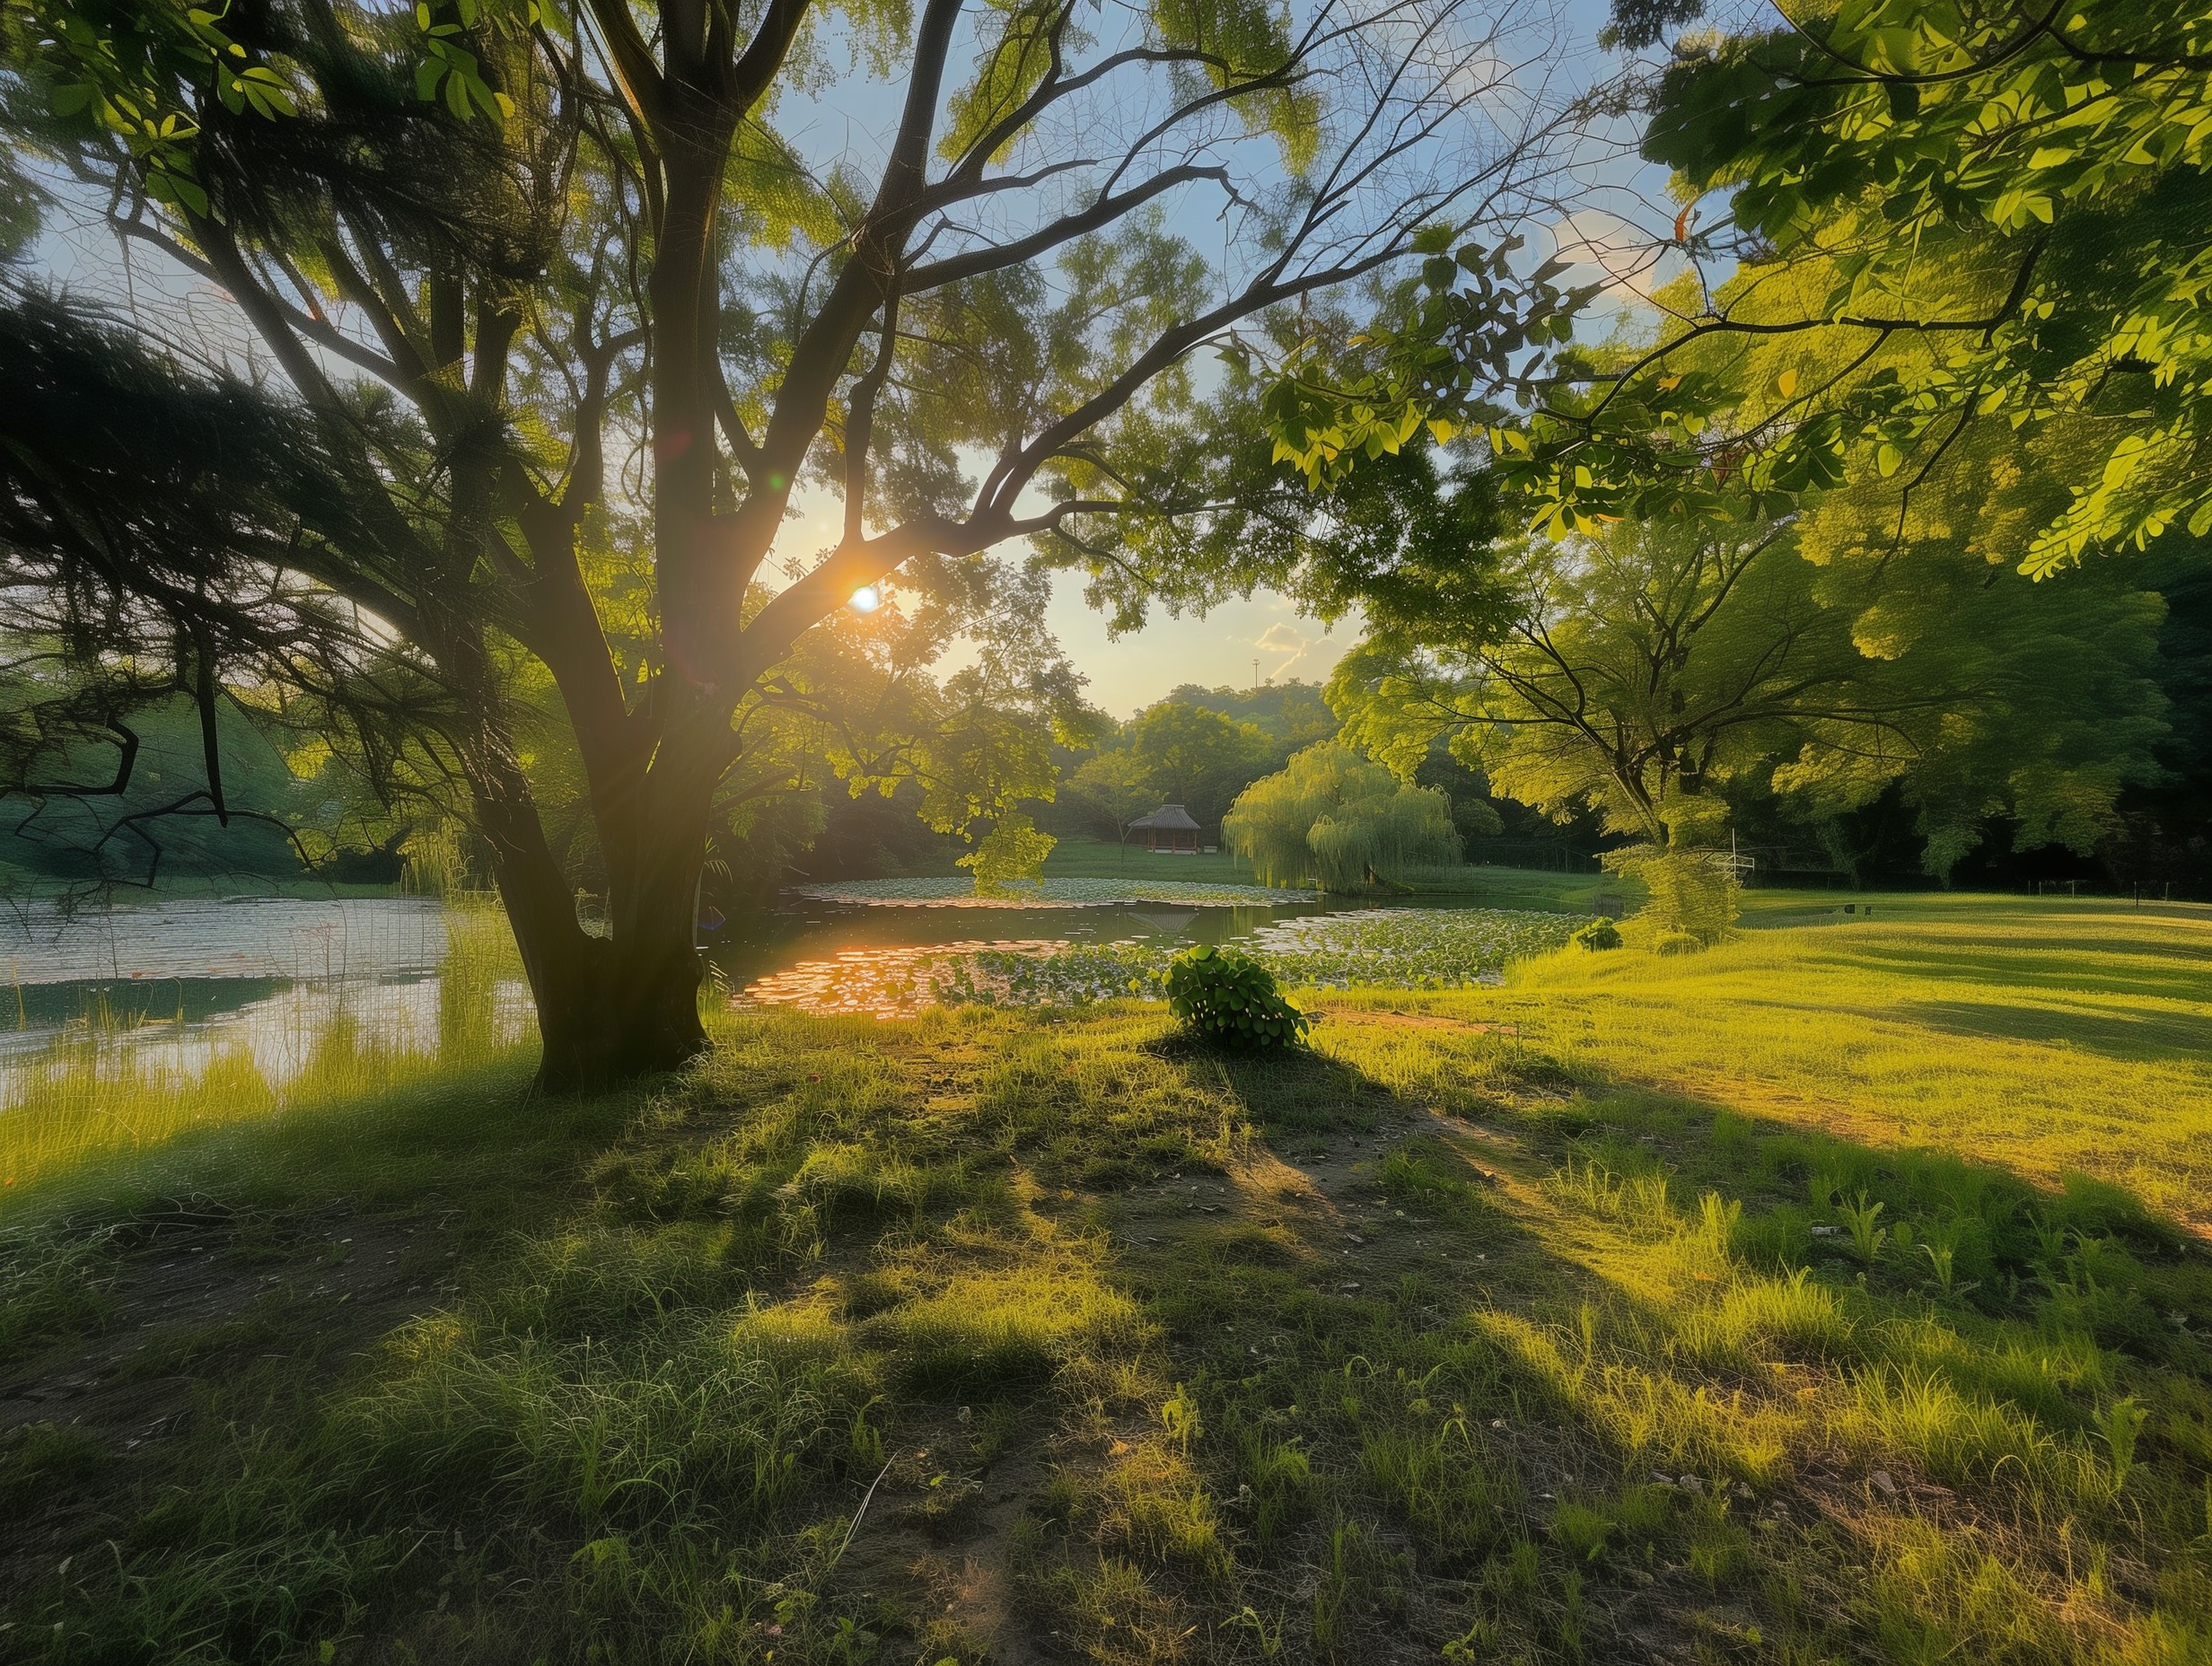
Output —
(1230, 997)
(1677, 942)
(1600, 933)
(1012, 856)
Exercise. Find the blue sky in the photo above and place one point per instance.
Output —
(843, 119)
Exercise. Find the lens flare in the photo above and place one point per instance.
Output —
(865, 598)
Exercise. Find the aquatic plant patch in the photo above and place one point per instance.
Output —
(900, 982)
(1408, 948)
(1068, 893)
(1383, 948)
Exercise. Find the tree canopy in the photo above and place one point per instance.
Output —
(574, 304)
(1331, 816)
(1908, 226)
(1666, 670)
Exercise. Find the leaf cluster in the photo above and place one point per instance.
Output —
(1228, 998)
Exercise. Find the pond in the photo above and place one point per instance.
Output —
(893, 952)
(169, 988)
(833, 956)
(281, 988)
(134, 1025)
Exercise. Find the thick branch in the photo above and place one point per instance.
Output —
(1105, 211)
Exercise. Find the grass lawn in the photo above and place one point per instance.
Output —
(1838, 1295)
(1469, 885)
(1075, 858)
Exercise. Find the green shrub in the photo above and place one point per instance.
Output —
(1600, 933)
(1691, 891)
(1230, 997)
(1677, 942)
(1012, 855)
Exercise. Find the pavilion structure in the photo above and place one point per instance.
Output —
(1169, 831)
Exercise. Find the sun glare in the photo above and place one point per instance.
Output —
(865, 598)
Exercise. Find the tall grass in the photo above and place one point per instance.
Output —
(109, 1087)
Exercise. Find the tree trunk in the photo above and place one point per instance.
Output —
(613, 1009)
(610, 1013)
(610, 1010)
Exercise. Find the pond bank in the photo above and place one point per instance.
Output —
(1500, 1319)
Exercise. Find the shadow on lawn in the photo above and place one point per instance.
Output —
(2125, 965)
(1706, 1376)
(2139, 1038)
(1417, 1344)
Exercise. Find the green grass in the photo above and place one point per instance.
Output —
(1088, 858)
(93, 1102)
(1478, 886)
(1525, 1324)
(2047, 1037)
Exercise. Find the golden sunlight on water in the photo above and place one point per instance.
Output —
(887, 982)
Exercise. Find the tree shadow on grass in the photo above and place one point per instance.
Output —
(2163, 971)
(1706, 1374)
(1402, 1368)
(2139, 1038)
(1298, 1089)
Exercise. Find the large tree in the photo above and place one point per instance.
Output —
(1663, 671)
(573, 302)
(1177, 753)
(1968, 220)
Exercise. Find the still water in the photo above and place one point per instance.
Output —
(170, 987)
(806, 931)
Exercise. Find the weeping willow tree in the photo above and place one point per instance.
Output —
(1333, 817)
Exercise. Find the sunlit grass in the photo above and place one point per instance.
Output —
(2035, 1035)
(105, 1088)
(1476, 884)
(1495, 1327)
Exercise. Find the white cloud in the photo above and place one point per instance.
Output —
(1312, 658)
(1630, 261)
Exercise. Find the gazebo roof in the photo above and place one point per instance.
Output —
(1168, 817)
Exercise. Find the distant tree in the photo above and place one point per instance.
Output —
(1333, 816)
(1293, 714)
(1197, 758)
(1113, 786)
(1658, 669)
(1467, 788)
(1175, 752)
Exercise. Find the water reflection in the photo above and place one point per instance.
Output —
(282, 988)
(328, 940)
(798, 936)
(266, 987)
(888, 961)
